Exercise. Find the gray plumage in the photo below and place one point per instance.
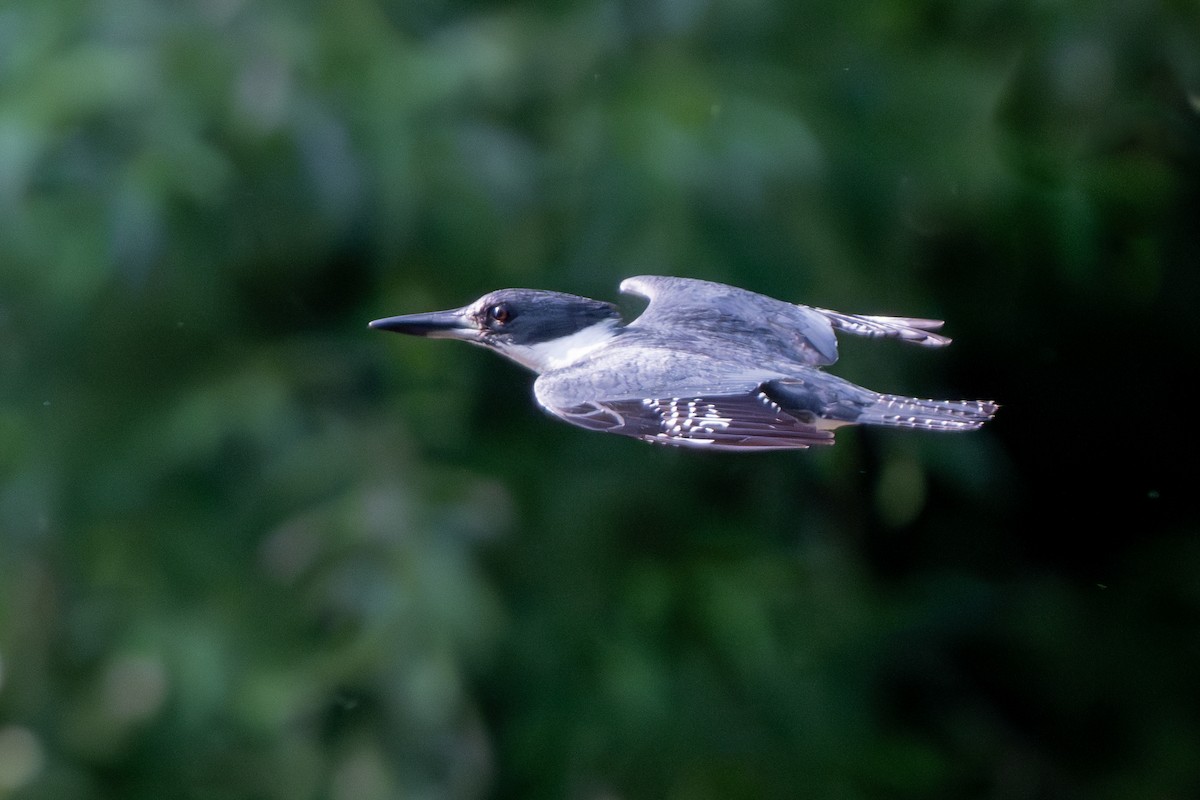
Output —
(705, 365)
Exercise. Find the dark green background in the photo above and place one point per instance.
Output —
(251, 549)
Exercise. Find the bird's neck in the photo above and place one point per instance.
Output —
(565, 350)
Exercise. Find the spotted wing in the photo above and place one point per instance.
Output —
(745, 421)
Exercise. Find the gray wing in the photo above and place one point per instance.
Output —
(716, 422)
(906, 329)
(785, 332)
(797, 332)
(666, 405)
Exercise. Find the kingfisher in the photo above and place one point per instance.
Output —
(705, 365)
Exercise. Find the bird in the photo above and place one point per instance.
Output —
(705, 365)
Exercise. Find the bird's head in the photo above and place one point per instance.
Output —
(540, 329)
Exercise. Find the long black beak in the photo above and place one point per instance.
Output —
(453, 324)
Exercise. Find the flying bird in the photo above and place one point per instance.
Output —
(705, 365)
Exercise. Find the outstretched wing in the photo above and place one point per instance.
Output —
(796, 332)
(907, 329)
(731, 317)
(746, 421)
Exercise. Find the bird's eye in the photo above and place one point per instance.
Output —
(500, 313)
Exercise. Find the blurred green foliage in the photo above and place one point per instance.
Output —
(249, 549)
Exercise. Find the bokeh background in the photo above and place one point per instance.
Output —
(251, 549)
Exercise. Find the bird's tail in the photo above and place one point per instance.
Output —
(934, 415)
(908, 329)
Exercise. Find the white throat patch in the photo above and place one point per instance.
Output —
(564, 351)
